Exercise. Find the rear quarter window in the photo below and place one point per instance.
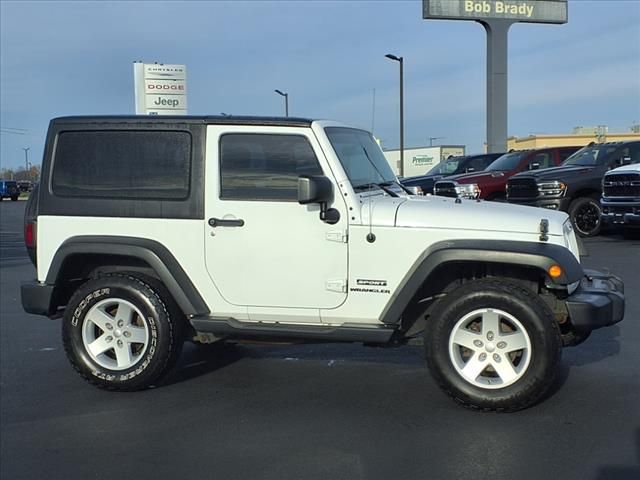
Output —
(124, 164)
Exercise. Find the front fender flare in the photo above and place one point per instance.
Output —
(530, 254)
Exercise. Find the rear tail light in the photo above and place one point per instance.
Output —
(30, 235)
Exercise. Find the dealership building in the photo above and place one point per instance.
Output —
(579, 136)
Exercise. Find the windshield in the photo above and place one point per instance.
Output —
(591, 156)
(447, 167)
(360, 156)
(507, 162)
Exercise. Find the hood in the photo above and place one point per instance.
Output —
(556, 172)
(477, 177)
(423, 181)
(634, 167)
(421, 178)
(442, 212)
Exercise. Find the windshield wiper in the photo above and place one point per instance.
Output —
(382, 186)
(394, 182)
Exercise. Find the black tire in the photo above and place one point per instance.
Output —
(586, 216)
(537, 363)
(14, 198)
(151, 318)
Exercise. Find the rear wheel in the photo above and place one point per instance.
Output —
(14, 198)
(119, 334)
(493, 345)
(585, 214)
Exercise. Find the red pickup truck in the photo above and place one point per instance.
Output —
(490, 184)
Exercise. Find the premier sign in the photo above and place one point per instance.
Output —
(160, 89)
(531, 11)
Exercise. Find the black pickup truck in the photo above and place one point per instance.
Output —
(575, 186)
(451, 166)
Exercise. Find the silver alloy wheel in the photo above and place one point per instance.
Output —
(114, 334)
(490, 348)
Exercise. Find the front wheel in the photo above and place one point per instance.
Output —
(119, 334)
(493, 345)
(586, 216)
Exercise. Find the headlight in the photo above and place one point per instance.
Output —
(470, 190)
(552, 189)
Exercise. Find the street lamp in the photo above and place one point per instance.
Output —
(400, 61)
(26, 162)
(286, 101)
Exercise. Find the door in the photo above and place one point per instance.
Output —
(264, 249)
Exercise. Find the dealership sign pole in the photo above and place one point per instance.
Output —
(496, 17)
(160, 89)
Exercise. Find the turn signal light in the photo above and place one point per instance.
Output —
(555, 271)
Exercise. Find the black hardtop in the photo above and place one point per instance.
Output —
(182, 119)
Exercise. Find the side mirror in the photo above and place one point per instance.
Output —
(534, 166)
(623, 161)
(318, 189)
(314, 189)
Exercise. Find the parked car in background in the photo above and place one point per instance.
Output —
(25, 185)
(490, 184)
(620, 200)
(576, 186)
(9, 189)
(451, 166)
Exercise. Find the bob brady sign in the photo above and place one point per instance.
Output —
(160, 89)
(531, 11)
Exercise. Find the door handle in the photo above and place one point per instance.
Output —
(226, 222)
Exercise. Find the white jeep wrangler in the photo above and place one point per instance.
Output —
(147, 231)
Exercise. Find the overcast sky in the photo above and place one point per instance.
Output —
(70, 58)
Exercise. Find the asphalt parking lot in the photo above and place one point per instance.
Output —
(309, 411)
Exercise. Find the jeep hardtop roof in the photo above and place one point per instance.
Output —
(191, 119)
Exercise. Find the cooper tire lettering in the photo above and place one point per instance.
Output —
(150, 356)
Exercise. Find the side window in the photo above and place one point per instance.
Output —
(122, 164)
(264, 166)
(564, 154)
(540, 160)
(634, 153)
(478, 164)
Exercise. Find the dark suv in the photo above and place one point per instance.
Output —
(576, 186)
(9, 189)
(451, 166)
(490, 184)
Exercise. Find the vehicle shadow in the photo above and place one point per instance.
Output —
(618, 472)
(198, 360)
(601, 344)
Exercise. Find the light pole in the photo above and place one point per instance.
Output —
(400, 60)
(286, 101)
(431, 139)
(26, 162)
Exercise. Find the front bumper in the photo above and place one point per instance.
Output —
(621, 213)
(597, 302)
(561, 204)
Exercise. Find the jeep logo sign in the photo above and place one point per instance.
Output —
(160, 89)
(532, 11)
